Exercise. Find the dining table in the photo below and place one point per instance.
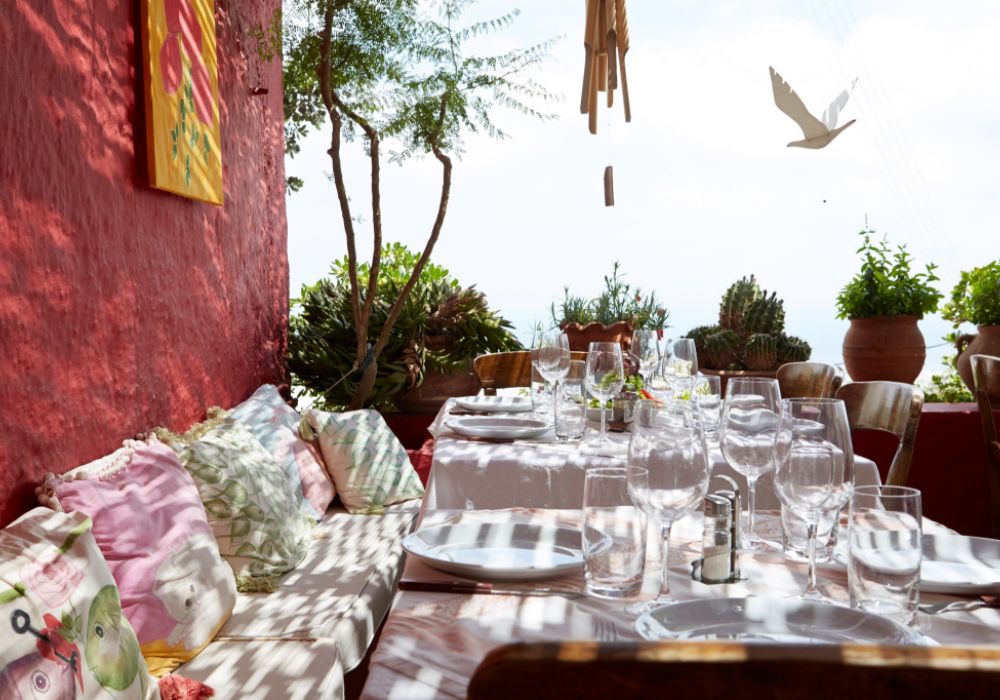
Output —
(441, 625)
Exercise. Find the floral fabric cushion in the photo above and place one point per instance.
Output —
(276, 425)
(62, 630)
(255, 517)
(151, 527)
(368, 464)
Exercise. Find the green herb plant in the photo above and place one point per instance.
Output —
(617, 302)
(976, 297)
(886, 285)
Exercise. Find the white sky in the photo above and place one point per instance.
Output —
(705, 189)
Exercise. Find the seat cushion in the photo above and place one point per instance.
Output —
(341, 591)
(151, 527)
(276, 425)
(271, 669)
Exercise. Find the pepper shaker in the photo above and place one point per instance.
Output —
(716, 548)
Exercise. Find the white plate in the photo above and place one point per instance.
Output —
(512, 404)
(498, 551)
(766, 620)
(498, 426)
(957, 564)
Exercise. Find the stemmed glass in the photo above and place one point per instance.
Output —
(814, 472)
(604, 378)
(747, 431)
(669, 444)
(646, 349)
(680, 366)
(552, 358)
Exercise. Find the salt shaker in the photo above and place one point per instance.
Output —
(717, 540)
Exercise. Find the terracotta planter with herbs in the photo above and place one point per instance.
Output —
(886, 348)
(580, 337)
(986, 342)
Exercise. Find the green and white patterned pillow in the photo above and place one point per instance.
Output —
(251, 507)
(369, 466)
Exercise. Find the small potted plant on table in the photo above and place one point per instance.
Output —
(976, 299)
(883, 302)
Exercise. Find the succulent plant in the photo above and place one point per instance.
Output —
(750, 334)
(792, 349)
(720, 349)
(735, 302)
(761, 352)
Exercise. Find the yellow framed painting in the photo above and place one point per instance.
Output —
(182, 98)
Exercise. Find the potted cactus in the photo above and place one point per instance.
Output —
(750, 336)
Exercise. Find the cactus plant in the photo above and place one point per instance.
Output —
(750, 334)
(761, 352)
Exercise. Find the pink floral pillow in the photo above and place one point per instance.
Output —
(276, 425)
(149, 522)
(62, 631)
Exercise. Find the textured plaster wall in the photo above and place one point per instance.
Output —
(122, 307)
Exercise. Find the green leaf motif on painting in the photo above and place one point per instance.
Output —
(218, 508)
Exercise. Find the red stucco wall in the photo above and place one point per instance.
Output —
(122, 307)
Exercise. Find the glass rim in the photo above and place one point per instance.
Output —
(886, 490)
(824, 400)
(614, 471)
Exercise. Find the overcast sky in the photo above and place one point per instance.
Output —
(705, 188)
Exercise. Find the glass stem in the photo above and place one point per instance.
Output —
(751, 507)
(555, 399)
(811, 527)
(665, 572)
(604, 425)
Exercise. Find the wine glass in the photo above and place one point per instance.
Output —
(747, 431)
(668, 442)
(646, 349)
(604, 378)
(814, 472)
(552, 358)
(680, 366)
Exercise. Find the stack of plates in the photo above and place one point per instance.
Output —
(495, 404)
(498, 427)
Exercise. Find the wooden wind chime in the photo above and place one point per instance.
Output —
(605, 44)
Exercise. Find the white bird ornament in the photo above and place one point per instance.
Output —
(817, 133)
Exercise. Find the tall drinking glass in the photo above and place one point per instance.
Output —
(669, 444)
(814, 471)
(747, 432)
(680, 365)
(552, 360)
(646, 349)
(604, 378)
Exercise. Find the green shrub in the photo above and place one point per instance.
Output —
(976, 297)
(617, 302)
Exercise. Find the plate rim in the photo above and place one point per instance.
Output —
(497, 573)
(523, 403)
(911, 636)
(541, 427)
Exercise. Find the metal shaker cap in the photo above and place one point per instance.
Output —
(717, 506)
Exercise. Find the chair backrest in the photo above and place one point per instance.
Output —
(812, 380)
(735, 671)
(986, 376)
(893, 407)
(501, 370)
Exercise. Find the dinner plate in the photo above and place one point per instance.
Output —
(767, 620)
(509, 427)
(498, 551)
(511, 404)
(958, 564)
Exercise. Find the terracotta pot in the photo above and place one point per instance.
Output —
(886, 348)
(580, 337)
(986, 342)
(725, 375)
(435, 390)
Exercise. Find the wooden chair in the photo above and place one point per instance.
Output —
(808, 380)
(892, 407)
(501, 370)
(986, 376)
(734, 671)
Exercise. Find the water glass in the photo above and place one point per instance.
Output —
(679, 366)
(604, 378)
(708, 397)
(571, 409)
(884, 551)
(614, 534)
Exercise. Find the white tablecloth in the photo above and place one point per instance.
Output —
(432, 642)
(548, 474)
